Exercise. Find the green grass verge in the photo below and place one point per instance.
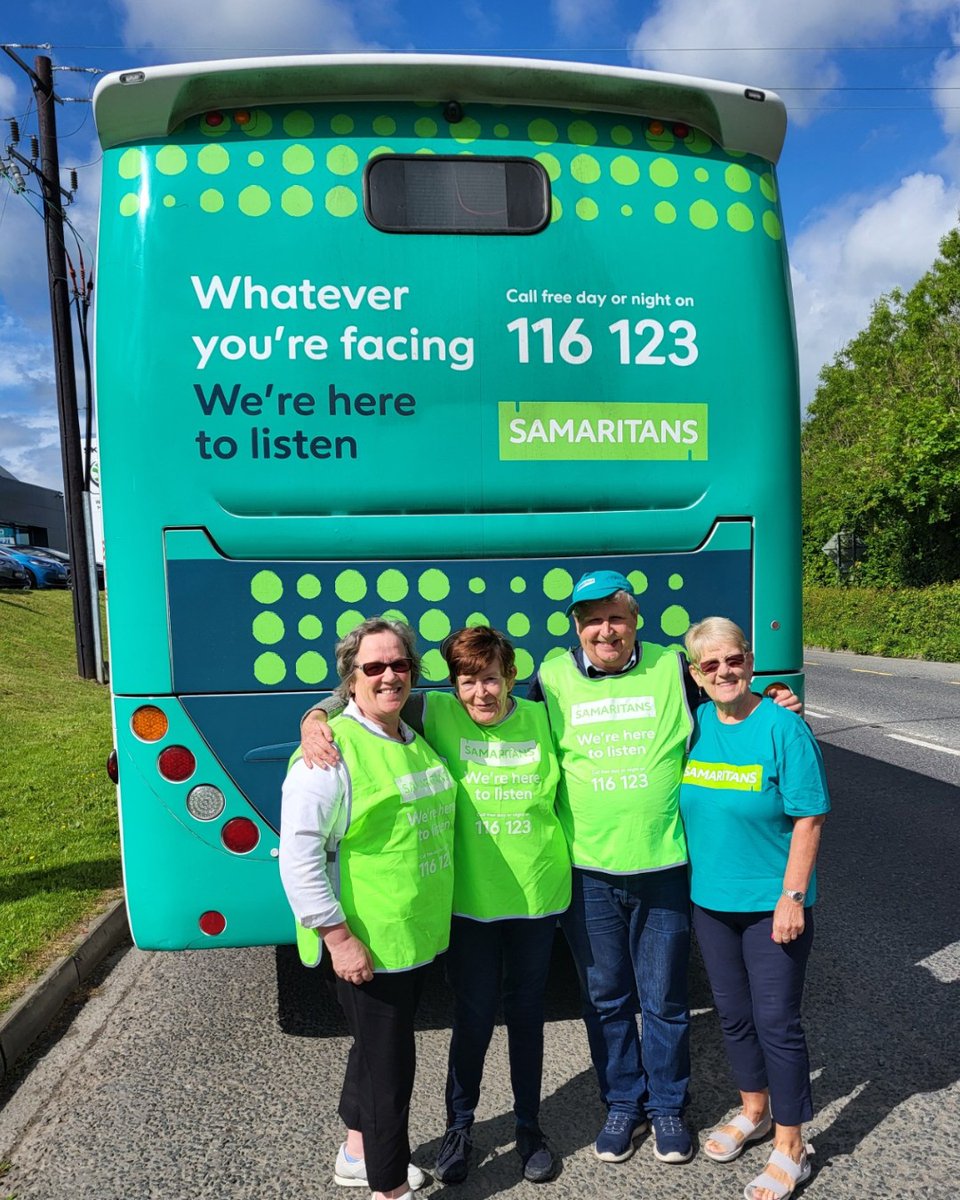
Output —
(897, 622)
(60, 855)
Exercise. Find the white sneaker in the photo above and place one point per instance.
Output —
(354, 1174)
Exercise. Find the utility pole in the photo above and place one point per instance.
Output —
(73, 482)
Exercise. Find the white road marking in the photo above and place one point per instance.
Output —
(926, 745)
(867, 671)
(808, 712)
(944, 965)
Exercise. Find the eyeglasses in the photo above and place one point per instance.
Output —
(399, 666)
(712, 665)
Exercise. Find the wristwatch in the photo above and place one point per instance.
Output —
(796, 897)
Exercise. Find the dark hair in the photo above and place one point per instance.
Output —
(469, 651)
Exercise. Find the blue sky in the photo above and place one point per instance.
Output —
(870, 175)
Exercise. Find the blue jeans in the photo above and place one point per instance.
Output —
(482, 956)
(630, 939)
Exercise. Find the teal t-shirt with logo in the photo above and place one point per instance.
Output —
(742, 786)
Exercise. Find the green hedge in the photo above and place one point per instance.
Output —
(898, 622)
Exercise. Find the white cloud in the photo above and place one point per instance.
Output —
(8, 96)
(793, 35)
(187, 30)
(573, 16)
(847, 258)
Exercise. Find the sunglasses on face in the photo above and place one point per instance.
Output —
(712, 665)
(399, 666)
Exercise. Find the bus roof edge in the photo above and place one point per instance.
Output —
(150, 102)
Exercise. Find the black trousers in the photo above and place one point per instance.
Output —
(381, 1067)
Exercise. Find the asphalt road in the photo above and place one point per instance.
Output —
(216, 1074)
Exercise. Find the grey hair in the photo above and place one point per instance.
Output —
(349, 646)
(713, 629)
(626, 597)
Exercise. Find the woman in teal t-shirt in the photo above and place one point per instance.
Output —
(753, 800)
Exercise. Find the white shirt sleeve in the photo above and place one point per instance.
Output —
(313, 818)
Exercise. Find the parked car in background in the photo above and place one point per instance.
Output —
(12, 575)
(64, 557)
(41, 571)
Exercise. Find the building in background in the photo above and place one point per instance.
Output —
(30, 515)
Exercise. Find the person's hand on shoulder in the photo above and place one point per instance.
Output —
(780, 694)
(316, 741)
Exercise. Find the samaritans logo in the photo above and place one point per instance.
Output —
(724, 775)
(499, 754)
(418, 784)
(602, 430)
(619, 708)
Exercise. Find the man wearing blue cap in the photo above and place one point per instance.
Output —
(620, 715)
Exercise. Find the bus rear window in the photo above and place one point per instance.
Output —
(436, 194)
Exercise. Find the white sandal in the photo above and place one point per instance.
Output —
(797, 1172)
(733, 1146)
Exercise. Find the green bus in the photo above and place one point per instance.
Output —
(428, 336)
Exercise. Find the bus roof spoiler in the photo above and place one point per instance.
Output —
(150, 102)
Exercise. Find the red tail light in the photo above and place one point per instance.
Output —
(113, 766)
(176, 763)
(212, 922)
(240, 835)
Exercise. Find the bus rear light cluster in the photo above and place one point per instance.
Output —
(176, 763)
(212, 922)
(240, 835)
(205, 802)
(149, 723)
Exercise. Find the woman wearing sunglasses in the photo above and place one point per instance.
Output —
(366, 859)
(511, 882)
(753, 800)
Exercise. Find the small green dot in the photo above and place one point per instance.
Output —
(211, 200)
(129, 204)
(557, 584)
(659, 141)
(130, 164)
(587, 209)
(341, 124)
(701, 174)
(425, 127)
(266, 587)
(697, 142)
(269, 668)
(626, 210)
(340, 202)
(703, 215)
(663, 172)
(768, 187)
(518, 625)
(349, 619)
(392, 585)
(737, 178)
(298, 124)
(542, 132)
(621, 135)
(394, 614)
(434, 667)
(254, 201)
(477, 585)
(433, 585)
(665, 213)
(550, 163)
(311, 667)
(582, 133)
(308, 586)
(585, 168)
(740, 218)
(771, 225)
(555, 652)
(213, 160)
(639, 582)
(350, 586)
(381, 150)
(384, 126)
(556, 209)
(171, 160)
(501, 130)
(255, 158)
(675, 583)
(524, 663)
(425, 150)
(267, 628)
(296, 201)
(476, 618)
(434, 625)
(675, 620)
(259, 125)
(310, 628)
(298, 160)
(341, 160)
(518, 584)
(169, 201)
(624, 170)
(467, 130)
(558, 624)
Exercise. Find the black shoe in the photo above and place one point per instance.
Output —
(453, 1157)
(539, 1162)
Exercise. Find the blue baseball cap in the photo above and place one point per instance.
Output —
(597, 585)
